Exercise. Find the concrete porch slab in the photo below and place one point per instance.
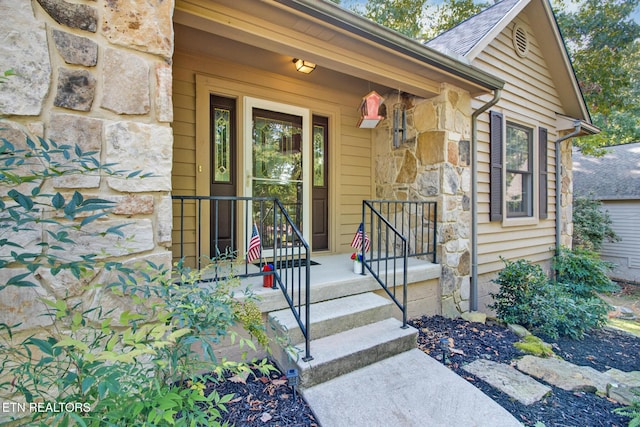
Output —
(409, 389)
(333, 278)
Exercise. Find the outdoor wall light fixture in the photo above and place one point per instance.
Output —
(304, 66)
(293, 378)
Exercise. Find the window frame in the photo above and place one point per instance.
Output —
(538, 208)
(526, 175)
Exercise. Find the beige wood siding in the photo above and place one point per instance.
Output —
(529, 98)
(349, 147)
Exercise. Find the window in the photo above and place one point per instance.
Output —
(519, 172)
(513, 172)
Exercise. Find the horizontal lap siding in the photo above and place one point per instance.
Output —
(529, 98)
(350, 154)
(625, 217)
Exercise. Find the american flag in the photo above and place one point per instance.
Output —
(255, 246)
(357, 239)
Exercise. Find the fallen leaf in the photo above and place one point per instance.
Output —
(285, 396)
(237, 399)
(279, 382)
(456, 351)
(237, 379)
(265, 417)
(264, 380)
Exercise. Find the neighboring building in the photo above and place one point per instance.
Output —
(614, 179)
(143, 82)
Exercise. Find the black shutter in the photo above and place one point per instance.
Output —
(542, 146)
(495, 174)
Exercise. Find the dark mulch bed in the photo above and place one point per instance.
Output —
(601, 350)
(264, 401)
(267, 400)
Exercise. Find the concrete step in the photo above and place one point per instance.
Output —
(334, 316)
(341, 353)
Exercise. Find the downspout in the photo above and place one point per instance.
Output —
(473, 303)
(578, 127)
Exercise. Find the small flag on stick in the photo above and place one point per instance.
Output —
(357, 239)
(255, 246)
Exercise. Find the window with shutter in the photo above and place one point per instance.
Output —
(542, 147)
(495, 175)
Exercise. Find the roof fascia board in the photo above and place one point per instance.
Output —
(376, 33)
(566, 61)
(496, 30)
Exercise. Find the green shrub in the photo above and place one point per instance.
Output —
(591, 224)
(527, 297)
(583, 271)
(136, 366)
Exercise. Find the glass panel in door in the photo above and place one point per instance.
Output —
(277, 170)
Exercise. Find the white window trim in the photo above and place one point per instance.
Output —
(535, 205)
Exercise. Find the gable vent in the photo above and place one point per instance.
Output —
(520, 41)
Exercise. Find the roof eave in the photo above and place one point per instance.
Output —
(362, 27)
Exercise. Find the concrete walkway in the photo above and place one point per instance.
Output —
(410, 389)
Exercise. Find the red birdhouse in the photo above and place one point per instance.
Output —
(370, 110)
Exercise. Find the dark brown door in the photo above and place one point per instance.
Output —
(320, 192)
(223, 174)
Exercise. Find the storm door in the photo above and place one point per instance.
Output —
(277, 160)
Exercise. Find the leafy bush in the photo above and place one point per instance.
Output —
(136, 364)
(583, 271)
(527, 297)
(591, 225)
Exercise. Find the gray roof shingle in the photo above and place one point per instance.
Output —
(615, 176)
(462, 38)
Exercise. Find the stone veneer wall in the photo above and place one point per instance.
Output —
(96, 73)
(566, 189)
(434, 164)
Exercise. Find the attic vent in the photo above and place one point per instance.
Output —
(520, 41)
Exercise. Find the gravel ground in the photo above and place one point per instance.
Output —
(268, 401)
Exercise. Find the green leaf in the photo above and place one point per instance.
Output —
(57, 201)
(87, 383)
(21, 199)
(91, 218)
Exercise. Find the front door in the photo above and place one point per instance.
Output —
(277, 161)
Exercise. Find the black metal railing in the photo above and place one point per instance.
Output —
(282, 260)
(397, 230)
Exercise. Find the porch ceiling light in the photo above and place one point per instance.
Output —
(304, 66)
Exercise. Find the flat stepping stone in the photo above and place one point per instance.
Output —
(565, 375)
(508, 380)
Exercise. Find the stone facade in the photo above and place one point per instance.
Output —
(433, 164)
(566, 189)
(95, 74)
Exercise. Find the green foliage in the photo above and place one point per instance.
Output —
(404, 16)
(583, 272)
(29, 207)
(591, 224)
(602, 40)
(632, 411)
(136, 364)
(527, 297)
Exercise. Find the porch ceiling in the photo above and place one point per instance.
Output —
(275, 33)
(202, 43)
